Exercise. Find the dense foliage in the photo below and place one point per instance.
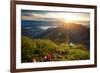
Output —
(38, 48)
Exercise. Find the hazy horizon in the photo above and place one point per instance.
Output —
(55, 17)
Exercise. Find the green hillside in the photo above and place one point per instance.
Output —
(37, 49)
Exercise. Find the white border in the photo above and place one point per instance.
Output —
(20, 65)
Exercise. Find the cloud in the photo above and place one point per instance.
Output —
(51, 15)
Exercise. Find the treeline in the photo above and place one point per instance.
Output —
(38, 48)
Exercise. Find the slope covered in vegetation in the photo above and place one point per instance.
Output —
(37, 49)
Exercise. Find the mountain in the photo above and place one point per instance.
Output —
(74, 33)
(33, 23)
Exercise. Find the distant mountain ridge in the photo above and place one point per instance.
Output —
(26, 23)
(75, 33)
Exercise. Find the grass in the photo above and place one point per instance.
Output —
(38, 48)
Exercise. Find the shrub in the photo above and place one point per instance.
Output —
(38, 48)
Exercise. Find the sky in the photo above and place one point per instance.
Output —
(55, 16)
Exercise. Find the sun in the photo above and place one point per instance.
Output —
(68, 21)
(69, 18)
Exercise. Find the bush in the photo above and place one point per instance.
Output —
(78, 54)
(38, 48)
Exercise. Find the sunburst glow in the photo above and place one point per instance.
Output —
(67, 17)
